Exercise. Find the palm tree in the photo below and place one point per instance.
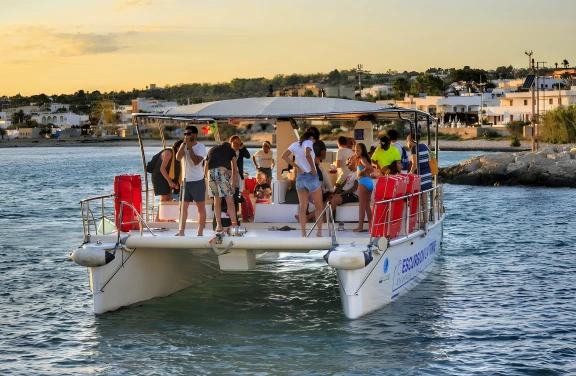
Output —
(556, 65)
(565, 63)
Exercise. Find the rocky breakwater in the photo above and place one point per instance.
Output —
(549, 167)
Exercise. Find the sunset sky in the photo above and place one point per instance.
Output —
(61, 46)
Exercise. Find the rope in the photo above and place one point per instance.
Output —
(117, 270)
(368, 275)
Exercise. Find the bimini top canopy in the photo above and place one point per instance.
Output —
(285, 107)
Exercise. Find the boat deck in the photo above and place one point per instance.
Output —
(257, 230)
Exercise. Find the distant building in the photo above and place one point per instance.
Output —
(376, 91)
(125, 113)
(29, 133)
(26, 109)
(151, 105)
(59, 119)
(340, 91)
(558, 73)
(56, 106)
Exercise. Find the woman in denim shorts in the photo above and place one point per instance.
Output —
(307, 181)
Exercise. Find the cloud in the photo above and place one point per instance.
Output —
(129, 4)
(41, 41)
(78, 44)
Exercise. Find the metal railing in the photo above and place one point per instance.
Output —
(90, 221)
(330, 223)
(88, 218)
(429, 210)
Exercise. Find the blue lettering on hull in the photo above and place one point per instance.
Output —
(410, 267)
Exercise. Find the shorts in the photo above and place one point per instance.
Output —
(308, 182)
(348, 197)
(195, 191)
(267, 171)
(220, 183)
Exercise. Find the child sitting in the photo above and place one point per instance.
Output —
(262, 191)
(265, 161)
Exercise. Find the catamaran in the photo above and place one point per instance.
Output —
(131, 258)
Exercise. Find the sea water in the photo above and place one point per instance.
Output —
(500, 300)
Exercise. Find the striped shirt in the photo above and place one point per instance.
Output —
(425, 173)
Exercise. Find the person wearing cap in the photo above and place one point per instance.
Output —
(192, 153)
(385, 155)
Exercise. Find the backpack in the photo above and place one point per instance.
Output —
(150, 166)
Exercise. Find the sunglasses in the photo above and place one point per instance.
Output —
(188, 134)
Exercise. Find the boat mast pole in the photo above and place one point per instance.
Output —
(416, 133)
(161, 129)
(436, 148)
(143, 163)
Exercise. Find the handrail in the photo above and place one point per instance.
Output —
(88, 218)
(140, 219)
(423, 216)
(96, 198)
(330, 221)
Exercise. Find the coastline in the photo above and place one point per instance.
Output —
(444, 145)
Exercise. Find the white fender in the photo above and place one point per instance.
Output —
(347, 257)
(91, 256)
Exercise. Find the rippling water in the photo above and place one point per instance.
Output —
(500, 300)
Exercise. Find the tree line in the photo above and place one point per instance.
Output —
(428, 82)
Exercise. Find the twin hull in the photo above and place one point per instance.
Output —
(146, 273)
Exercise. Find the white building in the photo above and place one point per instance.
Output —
(56, 106)
(377, 90)
(518, 105)
(4, 120)
(59, 119)
(125, 112)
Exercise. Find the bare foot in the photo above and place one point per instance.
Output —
(199, 234)
(358, 229)
(179, 234)
(319, 234)
(297, 217)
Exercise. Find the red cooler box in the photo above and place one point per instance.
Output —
(128, 188)
(387, 218)
(412, 188)
(250, 184)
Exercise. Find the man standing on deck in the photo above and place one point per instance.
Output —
(405, 156)
(193, 155)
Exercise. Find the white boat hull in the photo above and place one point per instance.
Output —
(157, 271)
(147, 273)
(391, 274)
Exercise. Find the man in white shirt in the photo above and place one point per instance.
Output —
(342, 156)
(193, 154)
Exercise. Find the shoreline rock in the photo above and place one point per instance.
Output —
(548, 167)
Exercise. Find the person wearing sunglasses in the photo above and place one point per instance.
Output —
(193, 153)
